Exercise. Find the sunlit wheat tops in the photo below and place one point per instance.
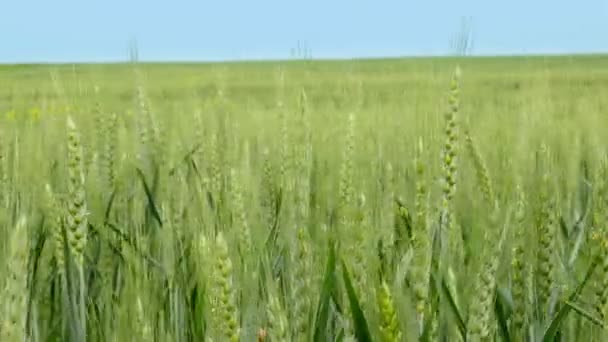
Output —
(14, 295)
(199, 135)
(601, 283)
(481, 307)
(599, 237)
(109, 149)
(240, 214)
(480, 315)
(4, 184)
(421, 239)
(143, 324)
(143, 128)
(215, 172)
(77, 209)
(546, 229)
(303, 161)
(346, 188)
(359, 244)
(269, 193)
(204, 255)
(149, 132)
(285, 165)
(480, 327)
(278, 329)
(301, 287)
(99, 121)
(224, 305)
(519, 264)
(451, 136)
(389, 326)
(481, 312)
(55, 216)
(481, 170)
(450, 150)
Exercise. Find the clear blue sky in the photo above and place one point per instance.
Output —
(69, 30)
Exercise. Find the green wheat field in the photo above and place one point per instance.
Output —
(421, 199)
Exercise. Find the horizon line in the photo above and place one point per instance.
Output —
(305, 59)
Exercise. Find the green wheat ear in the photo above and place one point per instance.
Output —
(421, 240)
(346, 189)
(4, 176)
(278, 325)
(14, 296)
(215, 170)
(519, 266)
(54, 209)
(599, 238)
(285, 153)
(301, 287)
(483, 175)
(601, 283)
(143, 324)
(389, 326)
(449, 155)
(244, 233)
(450, 147)
(224, 302)
(546, 230)
(481, 309)
(303, 162)
(269, 186)
(77, 209)
(109, 150)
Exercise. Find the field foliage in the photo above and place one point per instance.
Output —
(385, 200)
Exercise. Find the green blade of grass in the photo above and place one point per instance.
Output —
(585, 314)
(150, 197)
(462, 328)
(553, 328)
(185, 159)
(34, 264)
(500, 307)
(433, 309)
(109, 205)
(360, 323)
(329, 284)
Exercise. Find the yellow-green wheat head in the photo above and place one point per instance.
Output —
(77, 209)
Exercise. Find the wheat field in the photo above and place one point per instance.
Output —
(423, 199)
